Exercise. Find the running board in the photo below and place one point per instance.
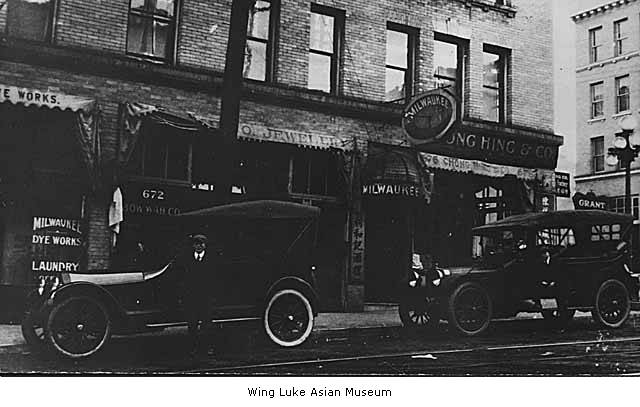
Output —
(175, 324)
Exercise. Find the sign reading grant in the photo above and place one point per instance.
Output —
(428, 116)
(57, 245)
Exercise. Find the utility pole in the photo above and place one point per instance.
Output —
(231, 94)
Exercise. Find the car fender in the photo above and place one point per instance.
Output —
(297, 283)
(91, 290)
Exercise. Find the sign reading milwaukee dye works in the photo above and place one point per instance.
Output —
(38, 97)
(56, 245)
(301, 138)
(496, 147)
(429, 116)
(563, 187)
(590, 201)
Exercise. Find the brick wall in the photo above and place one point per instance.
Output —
(109, 94)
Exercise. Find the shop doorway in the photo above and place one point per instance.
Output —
(387, 245)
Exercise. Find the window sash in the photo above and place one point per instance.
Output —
(406, 58)
(444, 77)
(594, 44)
(619, 35)
(36, 19)
(597, 154)
(622, 94)
(597, 100)
(262, 39)
(160, 45)
(494, 86)
(330, 84)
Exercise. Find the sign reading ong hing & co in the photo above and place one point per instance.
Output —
(57, 245)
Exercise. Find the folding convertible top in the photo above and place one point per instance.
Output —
(556, 219)
(261, 209)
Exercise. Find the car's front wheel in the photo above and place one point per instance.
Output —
(470, 309)
(612, 304)
(78, 327)
(288, 317)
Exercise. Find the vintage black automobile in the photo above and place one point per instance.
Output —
(554, 263)
(266, 273)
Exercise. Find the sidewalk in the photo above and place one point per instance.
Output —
(333, 326)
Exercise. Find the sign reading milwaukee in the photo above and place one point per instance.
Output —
(57, 245)
(391, 189)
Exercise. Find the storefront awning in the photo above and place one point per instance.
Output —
(87, 117)
(394, 172)
(442, 162)
(186, 120)
(40, 98)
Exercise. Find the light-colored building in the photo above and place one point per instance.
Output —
(607, 90)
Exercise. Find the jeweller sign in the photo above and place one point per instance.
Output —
(428, 116)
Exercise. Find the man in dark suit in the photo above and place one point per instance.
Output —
(198, 292)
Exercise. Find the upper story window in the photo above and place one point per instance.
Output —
(400, 62)
(597, 154)
(162, 153)
(448, 63)
(30, 19)
(152, 26)
(620, 36)
(622, 94)
(325, 38)
(618, 205)
(259, 52)
(597, 100)
(494, 70)
(595, 39)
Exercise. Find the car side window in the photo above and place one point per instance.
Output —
(606, 232)
(556, 237)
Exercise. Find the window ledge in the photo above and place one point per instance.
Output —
(596, 120)
(612, 60)
(490, 5)
(621, 114)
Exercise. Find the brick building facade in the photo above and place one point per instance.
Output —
(320, 117)
(607, 78)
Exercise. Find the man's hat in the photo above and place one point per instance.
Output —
(199, 238)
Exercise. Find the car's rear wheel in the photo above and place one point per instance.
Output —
(288, 318)
(418, 313)
(469, 309)
(78, 327)
(33, 330)
(612, 304)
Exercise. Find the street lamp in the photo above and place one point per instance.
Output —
(626, 147)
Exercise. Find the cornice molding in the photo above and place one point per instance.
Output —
(600, 9)
(609, 61)
(488, 5)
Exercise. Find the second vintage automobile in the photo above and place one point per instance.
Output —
(266, 252)
(554, 263)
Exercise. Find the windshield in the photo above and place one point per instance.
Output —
(498, 245)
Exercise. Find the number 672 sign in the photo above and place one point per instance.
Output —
(156, 194)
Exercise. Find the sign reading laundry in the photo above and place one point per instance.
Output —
(57, 245)
(27, 97)
(301, 138)
(391, 189)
